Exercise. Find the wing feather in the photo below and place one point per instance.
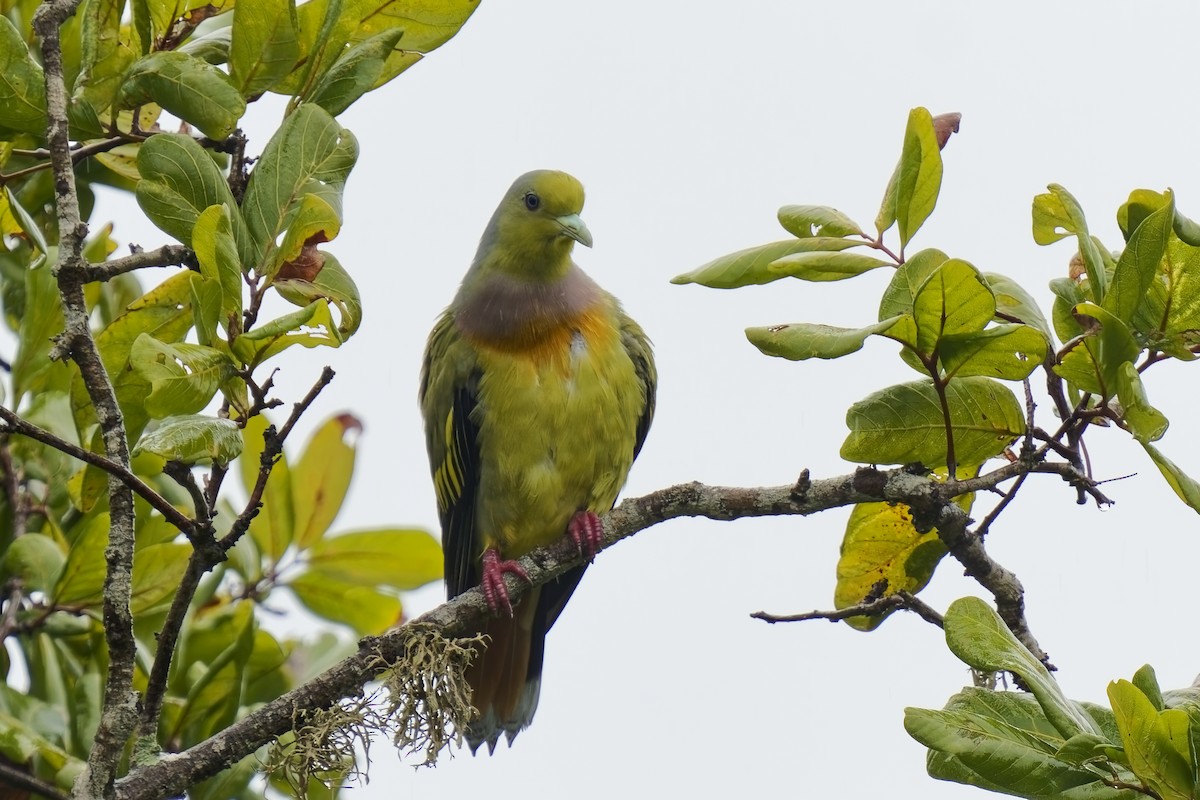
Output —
(449, 381)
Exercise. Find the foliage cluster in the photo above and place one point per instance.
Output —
(190, 363)
(965, 331)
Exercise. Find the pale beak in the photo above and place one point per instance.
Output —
(572, 225)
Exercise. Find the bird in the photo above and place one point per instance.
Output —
(537, 392)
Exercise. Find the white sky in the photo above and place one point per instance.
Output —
(690, 124)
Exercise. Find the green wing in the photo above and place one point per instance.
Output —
(448, 396)
(637, 345)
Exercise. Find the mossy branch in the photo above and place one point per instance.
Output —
(930, 499)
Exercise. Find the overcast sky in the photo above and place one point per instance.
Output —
(690, 123)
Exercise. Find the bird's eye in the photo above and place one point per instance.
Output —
(532, 201)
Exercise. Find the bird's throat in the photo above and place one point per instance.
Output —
(513, 313)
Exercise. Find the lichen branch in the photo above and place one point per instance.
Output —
(119, 713)
(929, 497)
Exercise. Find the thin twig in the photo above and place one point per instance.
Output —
(171, 255)
(981, 530)
(272, 448)
(146, 749)
(13, 776)
(182, 474)
(901, 600)
(78, 153)
(18, 425)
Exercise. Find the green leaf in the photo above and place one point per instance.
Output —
(1001, 742)
(216, 250)
(1016, 304)
(750, 267)
(81, 582)
(308, 149)
(191, 89)
(1060, 210)
(327, 25)
(87, 701)
(183, 377)
(1146, 423)
(898, 297)
(34, 558)
(106, 55)
(179, 182)
(193, 439)
(164, 313)
(157, 573)
(28, 225)
(41, 319)
(1051, 220)
(427, 24)
(21, 743)
(1139, 262)
(919, 176)
(903, 424)
(803, 340)
(163, 14)
(1111, 347)
(355, 73)
(273, 528)
(206, 309)
(321, 478)
(22, 87)
(324, 27)
(1183, 279)
(309, 327)
(1146, 682)
(1186, 229)
(1141, 204)
(332, 283)
(954, 299)
(881, 544)
(212, 48)
(825, 266)
(1156, 742)
(976, 634)
(394, 558)
(366, 610)
(265, 47)
(1009, 352)
(809, 221)
(1078, 368)
(215, 696)
(1185, 486)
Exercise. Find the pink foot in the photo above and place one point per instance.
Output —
(494, 590)
(587, 533)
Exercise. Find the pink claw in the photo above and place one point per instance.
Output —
(587, 532)
(494, 590)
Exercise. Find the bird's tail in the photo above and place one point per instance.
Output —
(506, 678)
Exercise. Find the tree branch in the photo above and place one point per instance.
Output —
(18, 425)
(462, 615)
(880, 605)
(78, 153)
(119, 712)
(14, 776)
(170, 255)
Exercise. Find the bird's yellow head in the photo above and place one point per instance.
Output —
(534, 228)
